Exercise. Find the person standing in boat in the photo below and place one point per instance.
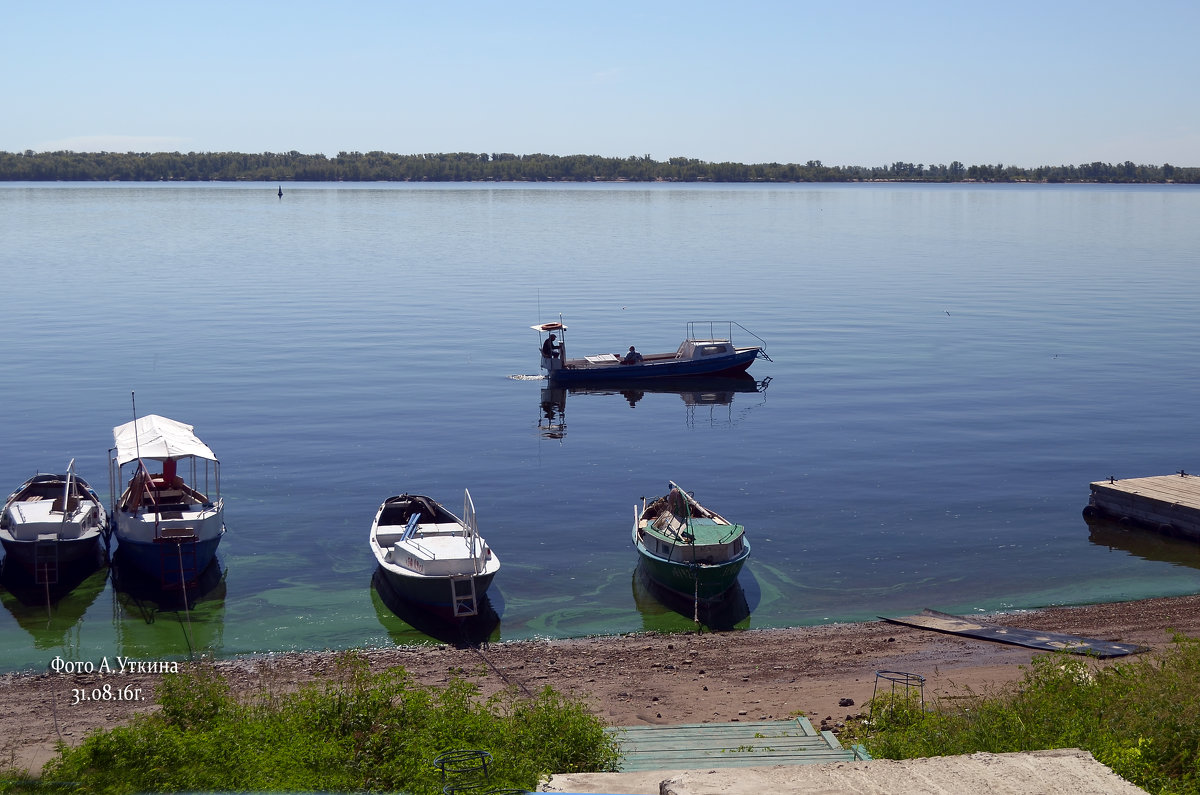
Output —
(551, 349)
(633, 357)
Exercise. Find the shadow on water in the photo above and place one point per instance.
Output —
(408, 623)
(48, 612)
(697, 393)
(664, 611)
(1143, 543)
(134, 585)
(198, 612)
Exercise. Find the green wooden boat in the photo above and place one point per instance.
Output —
(687, 548)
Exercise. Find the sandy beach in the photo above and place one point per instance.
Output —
(636, 679)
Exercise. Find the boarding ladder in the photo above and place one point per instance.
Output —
(45, 561)
(462, 596)
(177, 555)
(463, 600)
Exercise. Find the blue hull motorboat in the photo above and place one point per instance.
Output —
(700, 354)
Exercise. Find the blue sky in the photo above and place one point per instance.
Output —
(846, 83)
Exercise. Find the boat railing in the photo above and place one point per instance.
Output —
(471, 531)
(696, 327)
(424, 550)
(212, 469)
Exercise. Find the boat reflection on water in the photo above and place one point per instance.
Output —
(128, 580)
(664, 611)
(409, 624)
(168, 624)
(50, 612)
(696, 392)
(1142, 543)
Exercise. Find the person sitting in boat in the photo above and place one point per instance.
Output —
(551, 349)
(633, 357)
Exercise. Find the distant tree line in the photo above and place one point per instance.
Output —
(471, 167)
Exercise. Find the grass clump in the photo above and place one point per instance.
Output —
(1139, 717)
(353, 732)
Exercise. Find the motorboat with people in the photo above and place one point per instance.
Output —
(707, 350)
(686, 548)
(167, 525)
(52, 521)
(432, 557)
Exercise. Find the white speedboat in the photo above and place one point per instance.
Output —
(167, 525)
(52, 521)
(431, 557)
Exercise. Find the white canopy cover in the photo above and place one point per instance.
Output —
(157, 438)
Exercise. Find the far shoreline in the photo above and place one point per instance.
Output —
(484, 167)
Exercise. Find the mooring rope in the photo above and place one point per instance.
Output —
(187, 614)
(475, 648)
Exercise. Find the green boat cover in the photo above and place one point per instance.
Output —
(705, 531)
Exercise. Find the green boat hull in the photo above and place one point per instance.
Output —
(706, 582)
(688, 549)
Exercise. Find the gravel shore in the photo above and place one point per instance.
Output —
(636, 679)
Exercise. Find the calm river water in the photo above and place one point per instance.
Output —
(952, 366)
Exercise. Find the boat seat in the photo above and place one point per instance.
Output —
(57, 505)
(394, 515)
(669, 523)
(176, 534)
(161, 498)
(388, 540)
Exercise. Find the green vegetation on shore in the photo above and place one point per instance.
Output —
(351, 732)
(1139, 717)
(482, 167)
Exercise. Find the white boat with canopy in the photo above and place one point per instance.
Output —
(169, 522)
